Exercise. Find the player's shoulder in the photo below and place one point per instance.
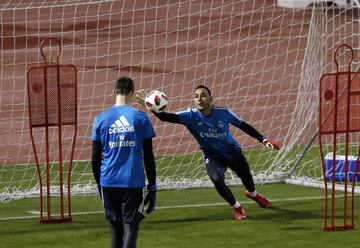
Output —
(223, 111)
(220, 108)
(138, 113)
(142, 115)
(115, 110)
(103, 118)
(132, 111)
(187, 110)
(103, 115)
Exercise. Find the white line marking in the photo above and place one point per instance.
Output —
(35, 214)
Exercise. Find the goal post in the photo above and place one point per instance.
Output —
(262, 61)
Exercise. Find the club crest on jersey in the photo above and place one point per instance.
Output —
(220, 124)
(121, 125)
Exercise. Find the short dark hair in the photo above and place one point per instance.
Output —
(124, 86)
(203, 87)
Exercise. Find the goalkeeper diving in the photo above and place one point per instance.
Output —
(209, 124)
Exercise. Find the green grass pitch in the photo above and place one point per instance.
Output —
(187, 218)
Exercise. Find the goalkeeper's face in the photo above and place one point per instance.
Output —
(202, 99)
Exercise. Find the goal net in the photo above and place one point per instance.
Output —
(261, 61)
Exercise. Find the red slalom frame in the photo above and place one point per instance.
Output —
(52, 103)
(337, 116)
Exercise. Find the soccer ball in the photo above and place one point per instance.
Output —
(156, 101)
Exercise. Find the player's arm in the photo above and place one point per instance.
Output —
(150, 170)
(149, 161)
(251, 131)
(96, 160)
(241, 124)
(167, 117)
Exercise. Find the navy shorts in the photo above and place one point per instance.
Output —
(216, 169)
(219, 166)
(123, 204)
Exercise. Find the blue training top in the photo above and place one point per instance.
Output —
(212, 132)
(121, 131)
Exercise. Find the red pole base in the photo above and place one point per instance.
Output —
(55, 221)
(339, 228)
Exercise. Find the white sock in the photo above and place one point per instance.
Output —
(237, 204)
(253, 194)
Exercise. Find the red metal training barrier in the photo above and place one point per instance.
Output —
(52, 103)
(339, 111)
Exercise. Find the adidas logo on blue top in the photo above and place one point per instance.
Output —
(121, 125)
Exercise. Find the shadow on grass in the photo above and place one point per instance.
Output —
(279, 213)
(72, 228)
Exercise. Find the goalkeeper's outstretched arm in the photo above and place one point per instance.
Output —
(167, 117)
(250, 130)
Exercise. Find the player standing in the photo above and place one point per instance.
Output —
(210, 126)
(121, 136)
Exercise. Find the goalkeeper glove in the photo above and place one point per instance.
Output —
(140, 96)
(150, 198)
(270, 144)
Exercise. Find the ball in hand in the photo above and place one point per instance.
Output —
(156, 101)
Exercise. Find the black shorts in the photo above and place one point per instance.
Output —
(123, 204)
(216, 169)
(219, 166)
